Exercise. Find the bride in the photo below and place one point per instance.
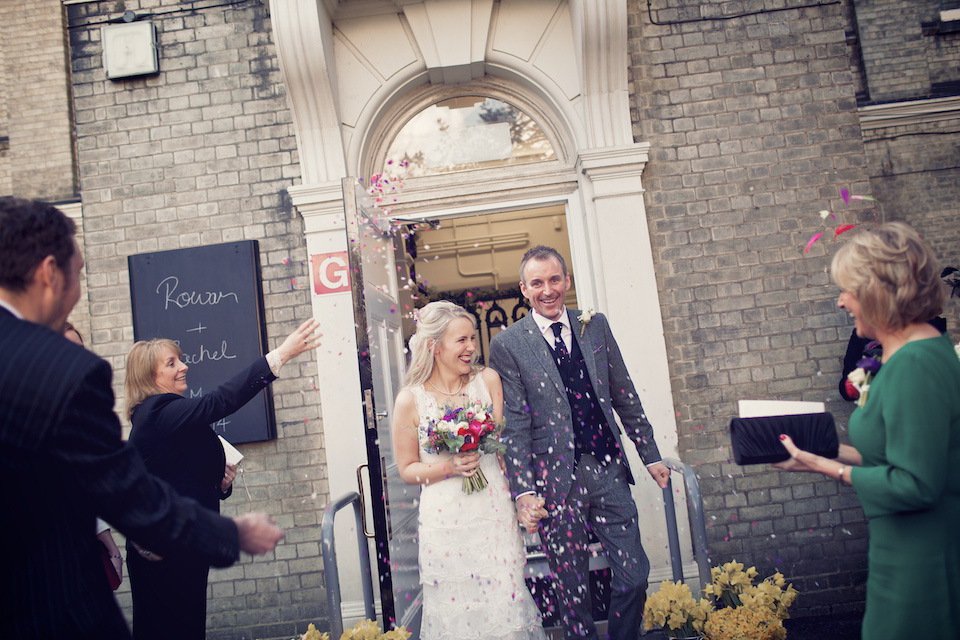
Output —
(470, 552)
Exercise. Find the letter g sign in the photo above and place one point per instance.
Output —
(331, 273)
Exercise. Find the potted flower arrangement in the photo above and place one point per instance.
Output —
(744, 611)
(750, 612)
(674, 609)
(363, 630)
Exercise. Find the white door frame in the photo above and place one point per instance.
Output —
(341, 118)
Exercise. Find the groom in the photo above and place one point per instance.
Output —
(563, 376)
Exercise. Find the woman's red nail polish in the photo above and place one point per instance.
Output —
(783, 437)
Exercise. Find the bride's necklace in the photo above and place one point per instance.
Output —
(447, 393)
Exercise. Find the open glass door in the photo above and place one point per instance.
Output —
(377, 263)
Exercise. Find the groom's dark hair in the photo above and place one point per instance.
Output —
(542, 252)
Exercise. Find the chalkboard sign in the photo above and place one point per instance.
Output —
(209, 301)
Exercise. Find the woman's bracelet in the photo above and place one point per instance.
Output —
(840, 475)
(117, 556)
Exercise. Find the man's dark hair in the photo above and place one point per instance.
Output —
(30, 231)
(542, 252)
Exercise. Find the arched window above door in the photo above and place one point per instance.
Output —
(466, 133)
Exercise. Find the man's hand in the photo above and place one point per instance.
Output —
(530, 512)
(258, 533)
(660, 473)
(146, 554)
(229, 473)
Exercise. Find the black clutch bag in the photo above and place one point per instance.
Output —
(757, 440)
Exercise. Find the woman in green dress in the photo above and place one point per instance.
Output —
(904, 464)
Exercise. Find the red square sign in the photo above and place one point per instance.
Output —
(331, 272)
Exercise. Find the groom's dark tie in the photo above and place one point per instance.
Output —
(560, 348)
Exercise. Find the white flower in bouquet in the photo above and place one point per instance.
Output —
(857, 377)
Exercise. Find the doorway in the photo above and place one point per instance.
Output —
(474, 261)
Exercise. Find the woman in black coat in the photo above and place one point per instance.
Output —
(172, 432)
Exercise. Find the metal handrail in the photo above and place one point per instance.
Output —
(330, 570)
(698, 528)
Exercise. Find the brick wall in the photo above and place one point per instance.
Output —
(915, 175)
(753, 128)
(37, 160)
(904, 55)
(6, 187)
(200, 154)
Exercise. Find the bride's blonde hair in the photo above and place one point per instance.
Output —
(432, 322)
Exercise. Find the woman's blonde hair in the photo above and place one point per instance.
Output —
(894, 275)
(432, 322)
(140, 381)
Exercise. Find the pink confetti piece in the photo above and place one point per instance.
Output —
(815, 237)
(845, 194)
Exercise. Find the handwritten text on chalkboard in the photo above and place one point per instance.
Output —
(209, 301)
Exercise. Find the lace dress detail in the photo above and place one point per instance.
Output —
(470, 550)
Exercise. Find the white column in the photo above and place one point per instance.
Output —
(622, 262)
(338, 382)
(600, 35)
(303, 34)
(627, 286)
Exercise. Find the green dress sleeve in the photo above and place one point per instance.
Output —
(908, 416)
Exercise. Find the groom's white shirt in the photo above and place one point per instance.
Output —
(545, 325)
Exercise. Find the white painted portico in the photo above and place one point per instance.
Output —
(356, 70)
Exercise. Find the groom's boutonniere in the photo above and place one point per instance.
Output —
(585, 317)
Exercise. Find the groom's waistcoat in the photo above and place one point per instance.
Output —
(589, 423)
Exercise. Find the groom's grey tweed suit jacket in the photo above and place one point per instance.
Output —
(539, 426)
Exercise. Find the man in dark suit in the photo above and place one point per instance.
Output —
(62, 460)
(563, 377)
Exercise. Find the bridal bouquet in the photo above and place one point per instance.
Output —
(462, 430)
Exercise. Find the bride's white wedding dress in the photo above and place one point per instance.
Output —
(471, 553)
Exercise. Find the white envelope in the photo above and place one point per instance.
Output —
(232, 454)
(764, 408)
